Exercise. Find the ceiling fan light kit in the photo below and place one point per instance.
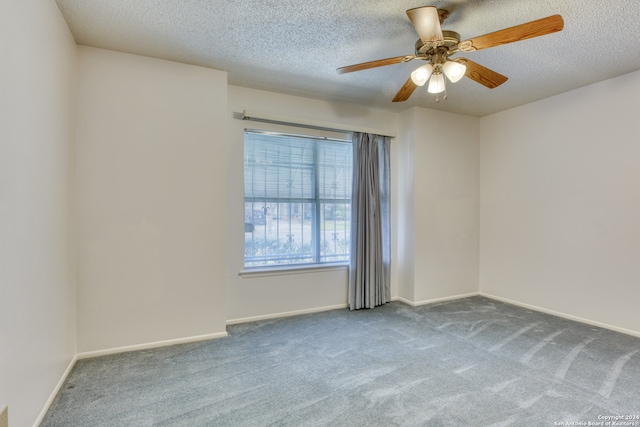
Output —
(421, 74)
(436, 45)
(454, 70)
(436, 84)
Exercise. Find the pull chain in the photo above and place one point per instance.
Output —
(445, 89)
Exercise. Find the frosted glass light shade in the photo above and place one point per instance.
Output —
(436, 84)
(421, 75)
(454, 70)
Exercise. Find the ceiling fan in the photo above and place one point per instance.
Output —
(436, 46)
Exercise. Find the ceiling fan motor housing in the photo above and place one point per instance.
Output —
(447, 46)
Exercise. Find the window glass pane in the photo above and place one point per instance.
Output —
(335, 231)
(278, 167)
(334, 171)
(297, 199)
(280, 233)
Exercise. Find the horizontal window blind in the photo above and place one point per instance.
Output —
(297, 192)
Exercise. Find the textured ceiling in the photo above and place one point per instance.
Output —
(295, 46)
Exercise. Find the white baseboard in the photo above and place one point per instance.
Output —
(434, 300)
(55, 391)
(88, 354)
(403, 300)
(286, 314)
(563, 315)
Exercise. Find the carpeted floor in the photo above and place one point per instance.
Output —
(468, 362)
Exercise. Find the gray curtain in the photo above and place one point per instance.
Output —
(369, 283)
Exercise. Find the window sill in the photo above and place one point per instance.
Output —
(286, 270)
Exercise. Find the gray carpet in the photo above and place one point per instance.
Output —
(469, 362)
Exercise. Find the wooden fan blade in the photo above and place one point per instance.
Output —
(405, 91)
(548, 25)
(482, 75)
(426, 22)
(374, 64)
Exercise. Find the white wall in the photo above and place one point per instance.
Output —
(405, 192)
(560, 203)
(249, 297)
(439, 193)
(37, 299)
(151, 188)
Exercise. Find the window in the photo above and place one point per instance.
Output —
(297, 199)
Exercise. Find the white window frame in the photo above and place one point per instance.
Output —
(294, 268)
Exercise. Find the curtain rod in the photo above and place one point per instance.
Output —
(309, 124)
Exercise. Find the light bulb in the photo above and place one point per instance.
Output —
(421, 75)
(454, 70)
(436, 84)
